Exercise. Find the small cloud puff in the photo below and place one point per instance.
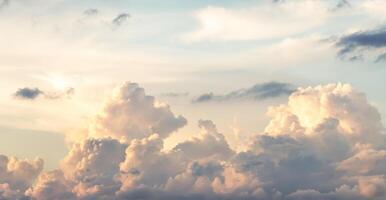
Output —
(27, 93)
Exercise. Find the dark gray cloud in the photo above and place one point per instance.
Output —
(256, 92)
(205, 97)
(121, 18)
(28, 93)
(33, 93)
(359, 42)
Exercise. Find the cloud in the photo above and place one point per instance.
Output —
(361, 41)
(91, 12)
(326, 142)
(120, 19)
(211, 143)
(51, 185)
(33, 93)
(267, 21)
(341, 5)
(278, 1)
(67, 93)
(28, 93)
(175, 94)
(256, 92)
(381, 57)
(4, 3)
(17, 175)
(131, 114)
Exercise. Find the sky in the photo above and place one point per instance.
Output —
(205, 99)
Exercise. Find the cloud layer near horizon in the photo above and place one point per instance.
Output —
(327, 142)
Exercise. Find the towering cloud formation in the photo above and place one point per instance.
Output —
(131, 114)
(326, 143)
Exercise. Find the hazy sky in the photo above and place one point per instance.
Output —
(222, 60)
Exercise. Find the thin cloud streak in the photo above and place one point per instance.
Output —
(257, 92)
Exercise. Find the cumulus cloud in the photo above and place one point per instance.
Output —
(17, 175)
(327, 142)
(210, 143)
(131, 114)
(51, 185)
(256, 92)
(27, 93)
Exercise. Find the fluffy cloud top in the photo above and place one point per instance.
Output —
(131, 114)
(17, 174)
(327, 142)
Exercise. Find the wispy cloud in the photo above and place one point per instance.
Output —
(361, 41)
(91, 12)
(273, 20)
(120, 19)
(256, 92)
(175, 94)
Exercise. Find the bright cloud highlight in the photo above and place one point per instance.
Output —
(327, 142)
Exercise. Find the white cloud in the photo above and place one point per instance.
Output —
(51, 185)
(17, 175)
(210, 143)
(309, 107)
(87, 169)
(131, 114)
(326, 143)
(263, 22)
